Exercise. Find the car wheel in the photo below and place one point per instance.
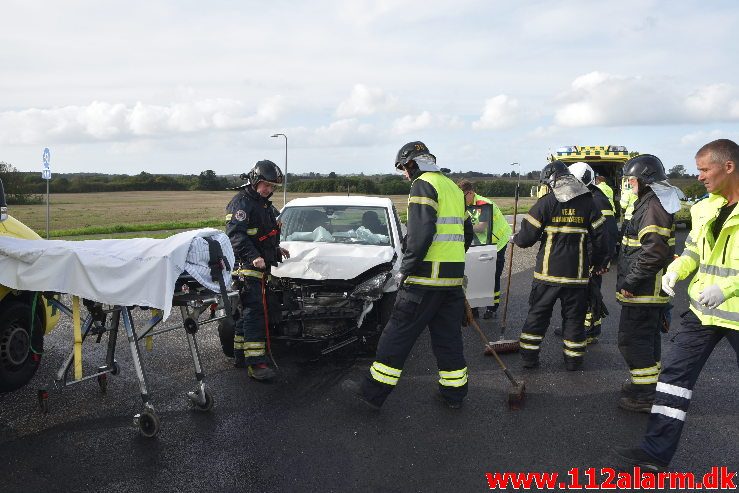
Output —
(20, 351)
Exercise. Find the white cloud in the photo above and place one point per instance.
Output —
(413, 123)
(345, 132)
(102, 121)
(697, 139)
(364, 101)
(602, 99)
(500, 112)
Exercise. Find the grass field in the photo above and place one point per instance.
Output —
(151, 214)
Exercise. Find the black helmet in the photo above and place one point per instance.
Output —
(411, 150)
(552, 171)
(267, 171)
(646, 168)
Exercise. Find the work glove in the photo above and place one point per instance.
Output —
(668, 283)
(400, 279)
(712, 296)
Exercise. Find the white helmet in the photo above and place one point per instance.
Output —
(583, 172)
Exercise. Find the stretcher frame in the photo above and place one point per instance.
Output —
(193, 301)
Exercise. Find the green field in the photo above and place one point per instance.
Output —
(149, 214)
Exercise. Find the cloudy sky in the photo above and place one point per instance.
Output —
(184, 86)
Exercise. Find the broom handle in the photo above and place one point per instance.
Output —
(510, 261)
(485, 342)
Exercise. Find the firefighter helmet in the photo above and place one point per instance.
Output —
(646, 168)
(583, 172)
(552, 171)
(265, 170)
(410, 151)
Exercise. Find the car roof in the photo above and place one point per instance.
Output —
(356, 200)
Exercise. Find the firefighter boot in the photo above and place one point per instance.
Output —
(239, 359)
(353, 389)
(490, 312)
(636, 404)
(261, 372)
(530, 361)
(573, 364)
(628, 458)
(448, 403)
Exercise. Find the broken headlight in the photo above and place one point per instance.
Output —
(371, 289)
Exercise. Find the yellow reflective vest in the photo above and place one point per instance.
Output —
(608, 192)
(442, 264)
(714, 261)
(627, 201)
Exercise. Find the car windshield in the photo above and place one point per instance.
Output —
(336, 224)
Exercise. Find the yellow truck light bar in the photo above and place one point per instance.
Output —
(585, 153)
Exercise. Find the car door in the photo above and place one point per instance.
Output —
(479, 265)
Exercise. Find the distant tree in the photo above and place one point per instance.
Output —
(332, 175)
(677, 171)
(208, 180)
(17, 189)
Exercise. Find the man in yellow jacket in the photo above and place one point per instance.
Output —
(712, 254)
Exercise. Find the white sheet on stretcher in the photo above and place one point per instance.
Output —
(138, 271)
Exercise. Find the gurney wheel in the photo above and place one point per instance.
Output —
(148, 423)
(208, 403)
(103, 382)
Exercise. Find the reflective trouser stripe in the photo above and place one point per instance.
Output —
(666, 388)
(573, 354)
(454, 378)
(496, 297)
(571, 347)
(645, 376)
(238, 342)
(254, 348)
(530, 341)
(385, 374)
(670, 412)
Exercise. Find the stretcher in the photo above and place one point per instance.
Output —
(197, 266)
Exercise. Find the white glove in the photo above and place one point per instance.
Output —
(668, 283)
(711, 296)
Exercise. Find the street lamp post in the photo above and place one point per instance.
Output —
(284, 185)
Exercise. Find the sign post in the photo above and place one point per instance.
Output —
(46, 175)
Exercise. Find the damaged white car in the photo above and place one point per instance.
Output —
(337, 287)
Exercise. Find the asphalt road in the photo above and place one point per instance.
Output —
(301, 434)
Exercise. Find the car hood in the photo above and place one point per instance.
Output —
(321, 261)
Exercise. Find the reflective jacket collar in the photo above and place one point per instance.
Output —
(708, 209)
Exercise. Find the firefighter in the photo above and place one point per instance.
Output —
(600, 182)
(565, 219)
(430, 284)
(500, 235)
(712, 254)
(647, 248)
(252, 226)
(584, 173)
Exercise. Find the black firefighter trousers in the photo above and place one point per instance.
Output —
(691, 346)
(442, 310)
(574, 303)
(640, 343)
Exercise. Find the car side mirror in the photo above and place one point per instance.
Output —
(3, 204)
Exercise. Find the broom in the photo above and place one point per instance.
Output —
(503, 345)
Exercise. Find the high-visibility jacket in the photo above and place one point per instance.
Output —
(627, 201)
(716, 261)
(564, 230)
(608, 192)
(435, 242)
(501, 229)
(647, 248)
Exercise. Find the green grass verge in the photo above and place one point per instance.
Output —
(132, 228)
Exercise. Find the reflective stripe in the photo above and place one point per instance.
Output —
(632, 242)
(565, 229)
(598, 222)
(655, 229)
(533, 221)
(581, 257)
(652, 370)
(228, 217)
(385, 374)
(446, 237)
(650, 379)
(666, 388)
(718, 271)
(574, 345)
(427, 281)
(528, 346)
(547, 254)
(248, 273)
(387, 370)
(424, 201)
(660, 300)
(560, 280)
(573, 354)
(714, 312)
(449, 220)
(608, 212)
(254, 352)
(454, 378)
(671, 242)
(531, 337)
(252, 231)
(691, 254)
(670, 412)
